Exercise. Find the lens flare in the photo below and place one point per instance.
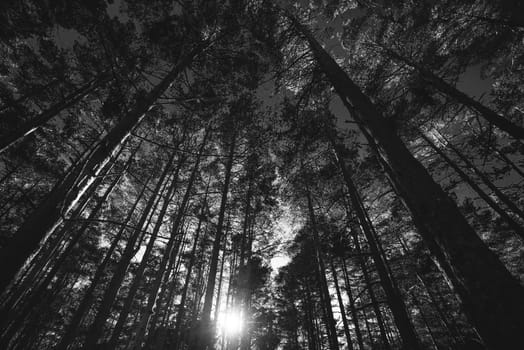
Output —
(230, 323)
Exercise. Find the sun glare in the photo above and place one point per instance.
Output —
(230, 323)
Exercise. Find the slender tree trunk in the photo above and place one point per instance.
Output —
(509, 162)
(372, 296)
(9, 172)
(367, 279)
(309, 319)
(519, 230)
(96, 329)
(156, 337)
(168, 254)
(221, 274)
(324, 291)
(139, 273)
(440, 84)
(503, 198)
(395, 302)
(36, 296)
(451, 327)
(182, 306)
(368, 328)
(207, 336)
(37, 266)
(425, 320)
(53, 111)
(31, 235)
(353, 310)
(245, 254)
(492, 298)
(341, 306)
(88, 298)
(247, 290)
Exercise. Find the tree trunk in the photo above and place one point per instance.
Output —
(206, 336)
(182, 306)
(324, 291)
(36, 296)
(311, 331)
(451, 327)
(35, 230)
(245, 254)
(37, 265)
(96, 329)
(509, 161)
(88, 298)
(367, 280)
(168, 254)
(493, 299)
(503, 198)
(341, 306)
(440, 84)
(425, 320)
(354, 314)
(139, 273)
(371, 292)
(519, 230)
(42, 118)
(395, 302)
(40, 288)
(221, 274)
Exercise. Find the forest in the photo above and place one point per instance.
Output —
(261, 174)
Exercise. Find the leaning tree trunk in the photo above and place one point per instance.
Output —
(440, 84)
(39, 291)
(88, 298)
(96, 329)
(398, 308)
(485, 179)
(168, 254)
(65, 194)
(139, 272)
(39, 265)
(367, 279)
(519, 230)
(45, 116)
(493, 299)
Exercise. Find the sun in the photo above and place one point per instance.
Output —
(230, 323)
